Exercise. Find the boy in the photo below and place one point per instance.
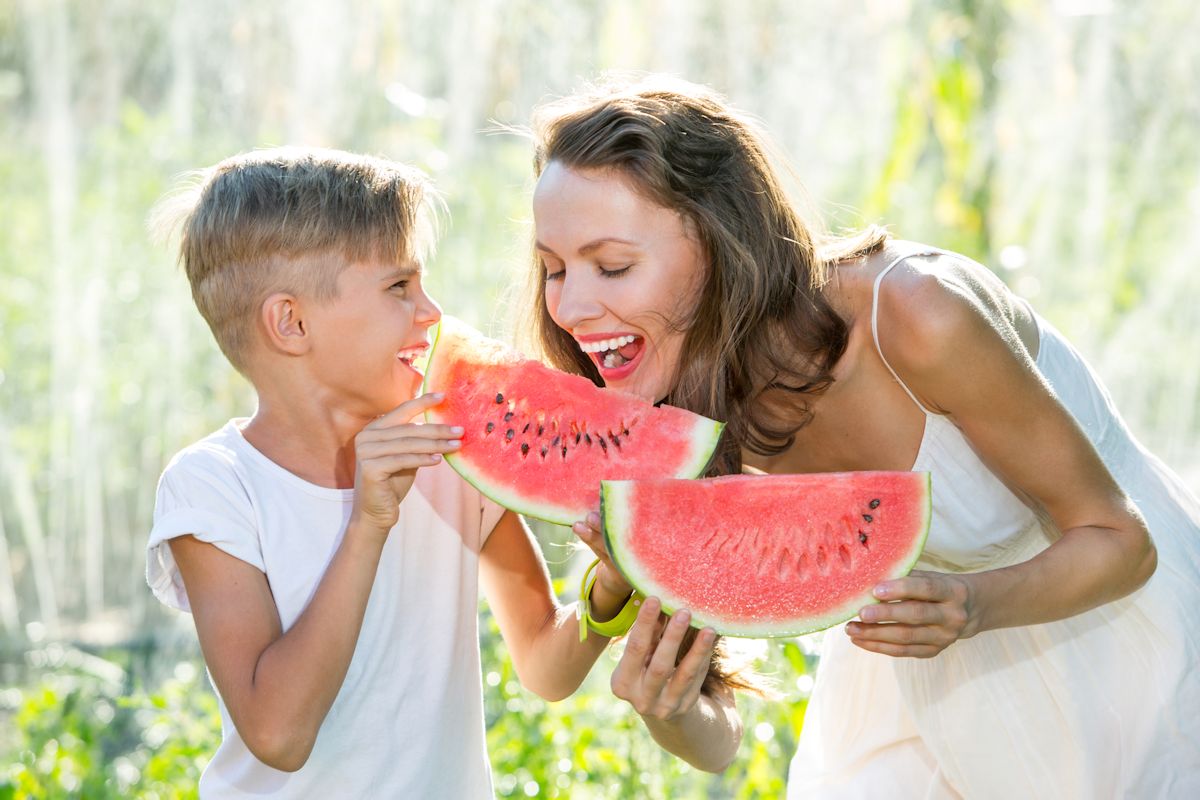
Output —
(329, 558)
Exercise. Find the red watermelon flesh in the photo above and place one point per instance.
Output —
(767, 555)
(540, 441)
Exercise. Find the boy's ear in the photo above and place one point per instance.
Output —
(283, 320)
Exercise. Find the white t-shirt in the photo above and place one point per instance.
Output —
(408, 720)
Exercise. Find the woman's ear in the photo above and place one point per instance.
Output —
(283, 321)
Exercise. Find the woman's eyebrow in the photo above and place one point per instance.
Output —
(595, 244)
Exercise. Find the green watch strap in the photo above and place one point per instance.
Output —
(616, 626)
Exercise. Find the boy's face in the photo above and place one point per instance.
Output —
(364, 341)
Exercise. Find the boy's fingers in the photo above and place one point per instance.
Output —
(410, 429)
(407, 410)
(374, 450)
(386, 467)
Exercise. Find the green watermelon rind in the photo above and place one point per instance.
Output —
(617, 524)
(703, 439)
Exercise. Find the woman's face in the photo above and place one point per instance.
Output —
(619, 270)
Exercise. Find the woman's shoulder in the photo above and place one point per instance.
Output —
(921, 300)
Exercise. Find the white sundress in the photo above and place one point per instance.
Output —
(1105, 704)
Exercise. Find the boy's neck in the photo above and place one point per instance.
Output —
(312, 441)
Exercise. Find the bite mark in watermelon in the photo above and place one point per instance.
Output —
(540, 441)
(766, 556)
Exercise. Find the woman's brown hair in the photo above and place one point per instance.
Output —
(762, 325)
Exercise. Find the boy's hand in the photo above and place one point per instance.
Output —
(388, 452)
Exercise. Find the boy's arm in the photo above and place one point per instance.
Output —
(277, 686)
(542, 636)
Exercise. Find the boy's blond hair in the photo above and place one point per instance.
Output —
(290, 220)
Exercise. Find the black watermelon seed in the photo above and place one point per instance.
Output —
(564, 451)
(578, 436)
(545, 450)
(862, 537)
(868, 518)
(554, 441)
(541, 429)
(616, 441)
(625, 431)
(508, 416)
(526, 428)
(874, 504)
(491, 426)
(588, 438)
(499, 397)
(509, 434)
(603, 444)
(524, 449)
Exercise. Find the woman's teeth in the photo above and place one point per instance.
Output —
(606, 344)
(607, 351)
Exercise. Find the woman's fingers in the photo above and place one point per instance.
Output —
(649, 677)
(662, 661)
(690, 674)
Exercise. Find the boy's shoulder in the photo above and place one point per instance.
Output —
(221, 450)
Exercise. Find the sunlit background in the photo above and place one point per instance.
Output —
(1057, 142)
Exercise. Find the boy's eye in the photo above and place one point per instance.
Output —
(403, 284)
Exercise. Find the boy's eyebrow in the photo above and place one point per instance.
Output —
(402, 272)
(595, 244)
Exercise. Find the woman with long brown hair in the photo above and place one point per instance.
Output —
(1037, 650)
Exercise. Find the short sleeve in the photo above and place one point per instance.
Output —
(199, 494)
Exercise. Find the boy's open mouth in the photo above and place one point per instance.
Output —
(615, 352)
(415, 358)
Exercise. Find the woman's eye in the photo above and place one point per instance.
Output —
(612, 272)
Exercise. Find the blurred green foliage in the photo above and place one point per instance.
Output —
(81, 732)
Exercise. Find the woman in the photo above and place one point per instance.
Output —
(1036, 651)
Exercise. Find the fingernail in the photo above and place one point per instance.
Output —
(454, 442)
(881, 591)
(439, 395)
(456, 430)
(437, 456)
(867, 614)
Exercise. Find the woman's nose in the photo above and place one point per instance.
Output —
(578, 300)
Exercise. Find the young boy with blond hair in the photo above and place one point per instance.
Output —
(329, 557)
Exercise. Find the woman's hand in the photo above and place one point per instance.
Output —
(647, 676)
(607, 574)
(917, 616)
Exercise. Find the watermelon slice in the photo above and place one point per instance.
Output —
(539, 441)
(770, 555)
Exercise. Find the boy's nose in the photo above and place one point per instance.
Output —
(428, 311)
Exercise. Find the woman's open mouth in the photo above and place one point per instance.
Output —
(615, 357)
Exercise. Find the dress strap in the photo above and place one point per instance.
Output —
(875, 324)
